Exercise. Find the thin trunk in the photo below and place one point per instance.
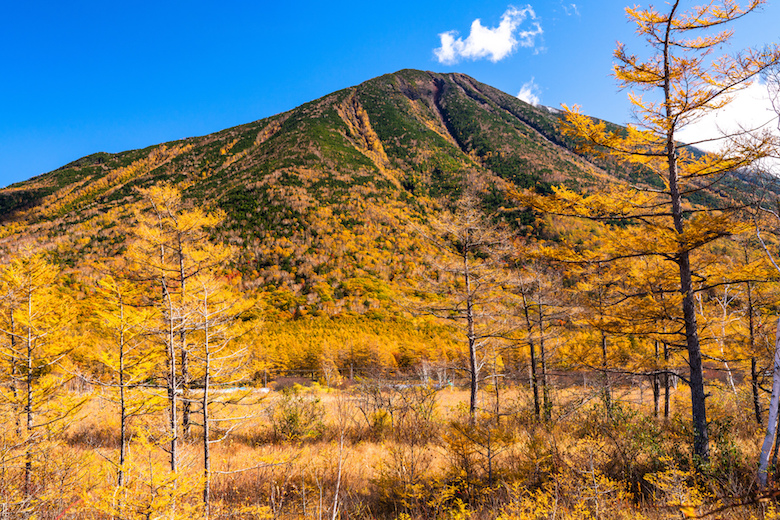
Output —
(532, 350)
(605, 375)
(172, 387)
(701, 441)
(206, 432)
(496, 389)
(656, 382)
(28, 407)
(666, 381)
(172, 398)
(122, 405)
(170, 347)
(473, 365)
(771, 423)
(15, 375)
(777, 444)
(170, 340)
(185, 369)
(722, 342)
(547, 404)
(752, 345)
(754, 385)
(186, 406)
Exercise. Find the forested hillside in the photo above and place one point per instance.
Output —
(462, 304)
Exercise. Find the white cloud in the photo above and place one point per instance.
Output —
(570, 9)
(750, 108)
(496, 43)
(530, 92)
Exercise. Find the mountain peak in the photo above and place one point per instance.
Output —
(382, 153)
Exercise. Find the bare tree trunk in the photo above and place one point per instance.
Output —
(206, 436)
(771, 428)
(186, 401)
(172, 388)
(496, 388)
(185, 369)
(754, 386)
(752, 345)
(605, 375)
(28, 409)
(122, 406)
(473, 363)
(724, 305)
(532, 351)
(656, 382)
(543, 362)
(170, 341)
(666, 381)
(777, 444)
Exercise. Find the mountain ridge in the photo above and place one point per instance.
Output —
(326, 194)
(453, 133)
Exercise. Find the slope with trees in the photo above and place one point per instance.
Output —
(683, 83)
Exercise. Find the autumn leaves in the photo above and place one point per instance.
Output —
(161, 316)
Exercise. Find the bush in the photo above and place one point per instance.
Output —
(296, 415)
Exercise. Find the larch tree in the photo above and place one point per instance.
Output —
(540, 300)
(120, 323)
(171, 246)
(37, 346)
(599, 291)
(9, 302)
(653, 314)
(467, 275)
(675, 85)
(218, 359)
(766, 217)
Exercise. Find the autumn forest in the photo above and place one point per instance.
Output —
(418, 297)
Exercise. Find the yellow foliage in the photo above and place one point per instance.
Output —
(60, 203)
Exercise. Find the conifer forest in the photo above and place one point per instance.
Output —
(415, 298)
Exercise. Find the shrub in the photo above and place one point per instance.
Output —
(296, 415)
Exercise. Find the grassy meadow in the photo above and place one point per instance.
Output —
(371, 449)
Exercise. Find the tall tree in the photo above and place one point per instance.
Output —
(218, 358)
(172, 246)
(37, 346)
(9, 302)
(683, 82)
(540, 301)
(120, 323)
(467, 281)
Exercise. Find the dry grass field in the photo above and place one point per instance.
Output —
(381, 451)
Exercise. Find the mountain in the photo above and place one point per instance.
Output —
(322, 200)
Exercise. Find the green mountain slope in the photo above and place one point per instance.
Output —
(416, 130)
(323, 200)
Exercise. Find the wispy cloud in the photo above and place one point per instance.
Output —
(570, 9)
(494, 44)
(530, 92)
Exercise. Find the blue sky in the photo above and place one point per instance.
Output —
(84, 76)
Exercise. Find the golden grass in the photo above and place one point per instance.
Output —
(582, 462)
